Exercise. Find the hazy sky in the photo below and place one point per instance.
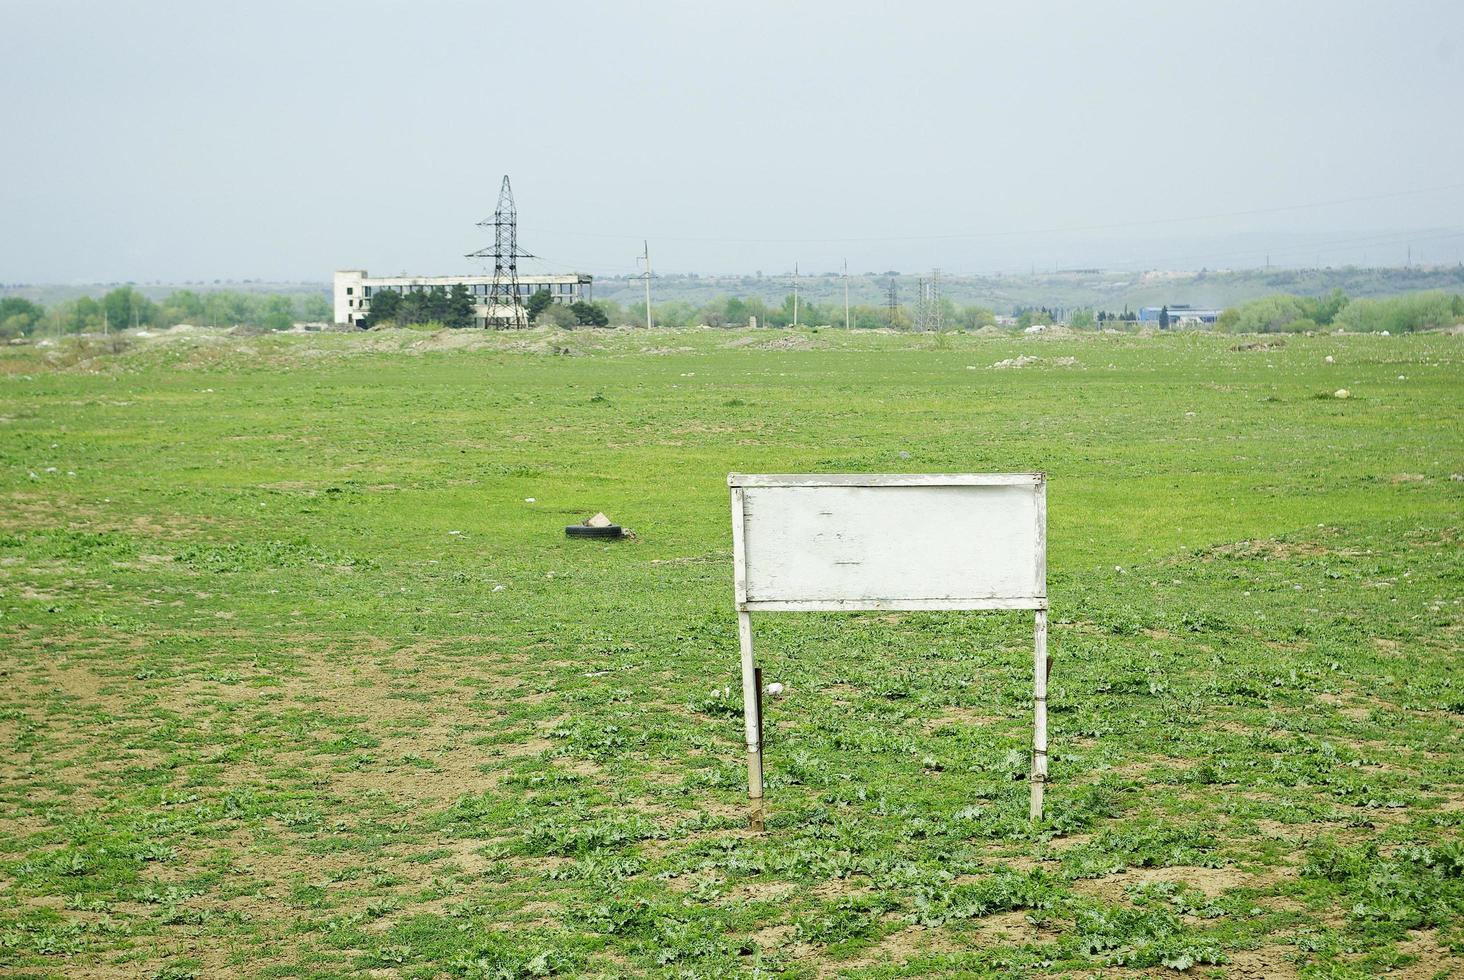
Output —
(151, 140)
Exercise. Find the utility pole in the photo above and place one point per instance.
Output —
(846, 294)
(795, 294)
(646, 258)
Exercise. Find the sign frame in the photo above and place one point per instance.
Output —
(1034, 599)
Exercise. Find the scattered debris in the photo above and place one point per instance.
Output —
(1026, 360)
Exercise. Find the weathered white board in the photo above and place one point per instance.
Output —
(927, 541)
(922, 541)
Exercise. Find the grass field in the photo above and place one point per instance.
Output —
(299, 676)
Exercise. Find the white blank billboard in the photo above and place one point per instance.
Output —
(926, 541)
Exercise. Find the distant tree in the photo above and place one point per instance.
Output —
(125, 307)
(386, 305)
(277, 313)
(1082, 320)
(437, 306)
(410, 308)
(676, 313)
(80, 315)
(537, 304)
(557, 315)
(1164, 317)
(1404, 313)
(1329, 306)
(588, 315)
(1028, 318)
(1268, 314)
(19, 317)
(734, 312)
(459, 311)
(181, 306)
(315, 307)
(975, 317)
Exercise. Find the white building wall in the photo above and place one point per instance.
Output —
(351, 285)
(346, 294)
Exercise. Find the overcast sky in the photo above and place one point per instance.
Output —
(172, 141)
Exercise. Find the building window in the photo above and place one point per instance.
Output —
(350, 302)
(366, 291)
(350, 290)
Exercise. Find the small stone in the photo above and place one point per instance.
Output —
(1341, 393)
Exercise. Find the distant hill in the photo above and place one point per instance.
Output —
(48, 294)
(1001, 293)
(1109, 291)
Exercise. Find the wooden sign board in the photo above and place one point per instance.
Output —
(808, 543)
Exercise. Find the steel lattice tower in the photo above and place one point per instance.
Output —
(935, 316)
(894, 303)
(505, 252)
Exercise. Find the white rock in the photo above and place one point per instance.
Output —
(775, 689)
(499, 588)
(1341, 393)
(529, 500)
(1330, 359)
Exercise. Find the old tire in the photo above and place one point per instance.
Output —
(585, 531)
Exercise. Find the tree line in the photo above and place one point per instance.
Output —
(126, 308)
(1297, 314)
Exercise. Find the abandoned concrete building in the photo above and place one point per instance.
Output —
(353, 290)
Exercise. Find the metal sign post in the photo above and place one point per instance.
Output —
(815, 543)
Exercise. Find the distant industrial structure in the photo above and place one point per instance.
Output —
(499, 298)
(1180, 315)
(353, 291)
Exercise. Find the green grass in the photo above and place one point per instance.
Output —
(295, 681)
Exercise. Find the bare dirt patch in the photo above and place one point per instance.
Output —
(1210, 881)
